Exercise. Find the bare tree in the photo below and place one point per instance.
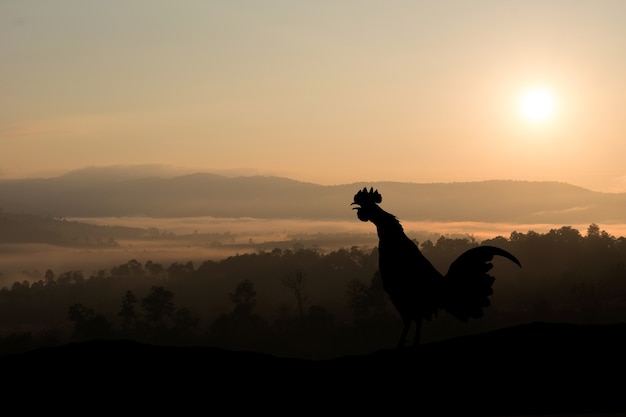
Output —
(296, 283)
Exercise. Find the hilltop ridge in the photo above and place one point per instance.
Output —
(113, 192)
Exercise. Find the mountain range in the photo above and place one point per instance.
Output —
(116, 191)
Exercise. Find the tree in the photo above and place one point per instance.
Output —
(78, 277)
(378, 298)
(565, 235)
(180, 271)
(296, 284)
(87, 324)
(242, 325)
(358, 299)
(100, 274)
(155, 270)
(128, 313)
(244, 296)
(427, 246)
(49, 277)
(79, 313)
(131, 269)
(70, 277)
(158, 305)
(593, 231)
(365, 301)
(184, 322)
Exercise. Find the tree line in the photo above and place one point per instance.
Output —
(308, 303)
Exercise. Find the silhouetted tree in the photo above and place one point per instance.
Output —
(37, 285)
(184, 323)
(367, 301)
(155, 270)
(70, 277)
(241, 327)
(158, 306)
(19, 290)
(127, 313)
(177, 271)
(131, 269)
(78, 277)
(244, 297)
(49, 277)
(593, 231)
(356, 292)
(79, 313)
(87, 324)
(98, 275)
(565, 235)
(296, 283)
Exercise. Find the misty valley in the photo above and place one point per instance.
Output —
(313, 208)
(300, 294)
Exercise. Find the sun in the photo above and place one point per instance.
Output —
(537, 105)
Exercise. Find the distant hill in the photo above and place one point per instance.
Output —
(32, 228)
(116, 192)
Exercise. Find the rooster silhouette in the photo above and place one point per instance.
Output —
(416, 288)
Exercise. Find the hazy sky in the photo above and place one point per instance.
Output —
(322, 91)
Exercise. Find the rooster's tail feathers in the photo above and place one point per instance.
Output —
(468, 285)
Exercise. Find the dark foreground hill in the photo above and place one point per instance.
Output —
(534, 369)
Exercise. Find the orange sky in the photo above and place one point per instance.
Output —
(326, 91)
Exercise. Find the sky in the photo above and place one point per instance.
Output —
(330, 92)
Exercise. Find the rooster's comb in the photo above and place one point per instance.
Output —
(364, 197)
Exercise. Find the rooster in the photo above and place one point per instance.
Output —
(416, 288)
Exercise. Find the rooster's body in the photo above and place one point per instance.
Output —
(416, 288)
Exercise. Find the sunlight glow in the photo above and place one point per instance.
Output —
(537, 105)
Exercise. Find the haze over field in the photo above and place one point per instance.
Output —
(325, 92)
(148, 213)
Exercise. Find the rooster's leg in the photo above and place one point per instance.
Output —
(418, 330)
(405, 332)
